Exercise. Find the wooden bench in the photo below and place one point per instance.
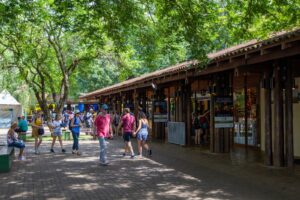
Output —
(6, 157)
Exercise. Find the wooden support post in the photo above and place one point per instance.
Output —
(188, 120)
(246, 112)
(135, 103)
(153, 128)
(212, 125)
(268, 120)
(289, 143)
(180, 108)
(183, 104)
(169, 104)
(176, 100)
(279, 132)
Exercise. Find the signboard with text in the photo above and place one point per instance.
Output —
(223, 108)
(160, 111)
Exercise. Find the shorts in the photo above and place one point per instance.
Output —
(127, 136)
(34, 132)
(18, 144)
(57, 134)
(142, 136)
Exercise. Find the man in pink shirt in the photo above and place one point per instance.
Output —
(103, 130)
(128, 125)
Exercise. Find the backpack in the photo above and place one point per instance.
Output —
(116, 120)
(70, 128)
(197, 122)
(204, 122)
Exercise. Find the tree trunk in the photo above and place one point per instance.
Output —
(63, 95)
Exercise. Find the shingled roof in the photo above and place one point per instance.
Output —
(188, 65)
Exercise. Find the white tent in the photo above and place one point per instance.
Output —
(10, 109)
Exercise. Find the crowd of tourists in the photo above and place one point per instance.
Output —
(102, 125)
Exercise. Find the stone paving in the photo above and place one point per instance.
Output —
(173, 172)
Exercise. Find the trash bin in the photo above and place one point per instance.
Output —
(66, 134)
(22, 136)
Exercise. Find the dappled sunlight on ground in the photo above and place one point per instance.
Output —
(68, 176)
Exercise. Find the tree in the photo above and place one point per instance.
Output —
(56, 45)
(46, 45)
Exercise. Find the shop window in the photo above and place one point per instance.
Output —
(239, 116)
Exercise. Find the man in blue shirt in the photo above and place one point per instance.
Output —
(75, 129)
(22, 125)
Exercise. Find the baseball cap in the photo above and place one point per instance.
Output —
(104, 107)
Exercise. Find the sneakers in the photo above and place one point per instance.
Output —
(123, 154)
(149, 152)
(132, 156)
(22, 158)
(63, 150)
(104, 163)
(52, 151)
(37, 151)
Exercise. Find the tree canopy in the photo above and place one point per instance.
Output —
(59, 48)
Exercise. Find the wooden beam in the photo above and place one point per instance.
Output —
(279, 132)
(221, 68)
(274, 55)
(264, 57)
(268, 120)
(285, 45)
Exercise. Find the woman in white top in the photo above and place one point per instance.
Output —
(13, 141)
(142, 135)
(56, 125)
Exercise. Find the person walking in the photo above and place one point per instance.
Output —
(128, 124)
(204, 125)
(38, 131)
(116, 119)
(56, 125)
(66, 119)
(88, 120)
(13, 141)
(103, 131)
(197, 127)
(75, 129)
(142, 135)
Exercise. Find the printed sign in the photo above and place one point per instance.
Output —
(223, 112)
(160, 111)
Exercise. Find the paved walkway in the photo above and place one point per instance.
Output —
(172, 173)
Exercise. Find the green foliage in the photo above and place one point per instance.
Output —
(10, 80)
(81, 45)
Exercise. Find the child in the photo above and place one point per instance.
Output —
(56, 125)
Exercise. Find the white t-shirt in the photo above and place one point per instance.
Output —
(56, 126)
